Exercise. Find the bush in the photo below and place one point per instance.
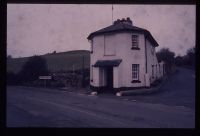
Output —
(12, 78)
(35, 66)
(168, 57)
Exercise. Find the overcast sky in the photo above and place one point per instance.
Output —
(36, 29)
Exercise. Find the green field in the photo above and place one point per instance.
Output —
(55, 61)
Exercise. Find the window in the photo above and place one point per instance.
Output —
(159, 68)
(135, 71)
(156, 71)
(109, 45)
(152, 71)
(135, 42)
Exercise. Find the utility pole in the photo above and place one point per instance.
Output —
(112, 13)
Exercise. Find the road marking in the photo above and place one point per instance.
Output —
(133, 100)
(82, 111)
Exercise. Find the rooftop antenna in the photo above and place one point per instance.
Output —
(112, 13)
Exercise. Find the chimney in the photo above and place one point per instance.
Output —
(124, 21)
(128, 21)
(117, 21)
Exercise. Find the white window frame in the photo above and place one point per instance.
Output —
(135, 72)
(135, 41)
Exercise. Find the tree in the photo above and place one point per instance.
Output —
(179, 60)
(33, 68)
(190, 56)
(12, 78)
(167, 56)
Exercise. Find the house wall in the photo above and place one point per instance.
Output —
(152, 60)
(122, 44)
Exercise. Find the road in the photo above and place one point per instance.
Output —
(179, 90)
(39, 107)
(172, 107)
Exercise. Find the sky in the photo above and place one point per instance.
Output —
(37, 29)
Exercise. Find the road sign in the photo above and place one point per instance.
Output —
(45, 77)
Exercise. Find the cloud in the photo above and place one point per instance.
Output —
(43, 28)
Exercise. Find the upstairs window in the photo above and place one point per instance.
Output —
(109, 45)
(135, 42)
(135, 72)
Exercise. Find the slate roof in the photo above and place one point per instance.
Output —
(107, 63)
(123, 27)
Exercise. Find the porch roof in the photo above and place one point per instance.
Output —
(106, 63)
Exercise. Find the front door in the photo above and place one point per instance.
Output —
(110, 78)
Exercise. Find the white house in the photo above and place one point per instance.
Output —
(123, 57)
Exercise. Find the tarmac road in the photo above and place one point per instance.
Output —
(40, 107)
(179, 90)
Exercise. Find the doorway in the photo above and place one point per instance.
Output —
(109, 79)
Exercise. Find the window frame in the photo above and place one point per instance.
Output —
(159, 68)
(135, 42)
(135, 73)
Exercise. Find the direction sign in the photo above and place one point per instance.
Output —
(45, 77)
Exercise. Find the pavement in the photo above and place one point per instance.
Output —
(123, 93)
(144, 91)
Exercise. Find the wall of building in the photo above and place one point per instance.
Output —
(122, 44)
(152, 60)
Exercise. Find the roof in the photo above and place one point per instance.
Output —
(123, 27)
(107, 63)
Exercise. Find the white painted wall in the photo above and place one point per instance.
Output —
(152, 60)
(122, 44)
(118, 46)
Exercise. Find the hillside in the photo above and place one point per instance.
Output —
(55, 61)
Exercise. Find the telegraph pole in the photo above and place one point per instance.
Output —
(112, 13)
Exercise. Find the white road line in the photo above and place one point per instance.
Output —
(82, 111)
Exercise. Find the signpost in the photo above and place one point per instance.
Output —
(45, 78)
